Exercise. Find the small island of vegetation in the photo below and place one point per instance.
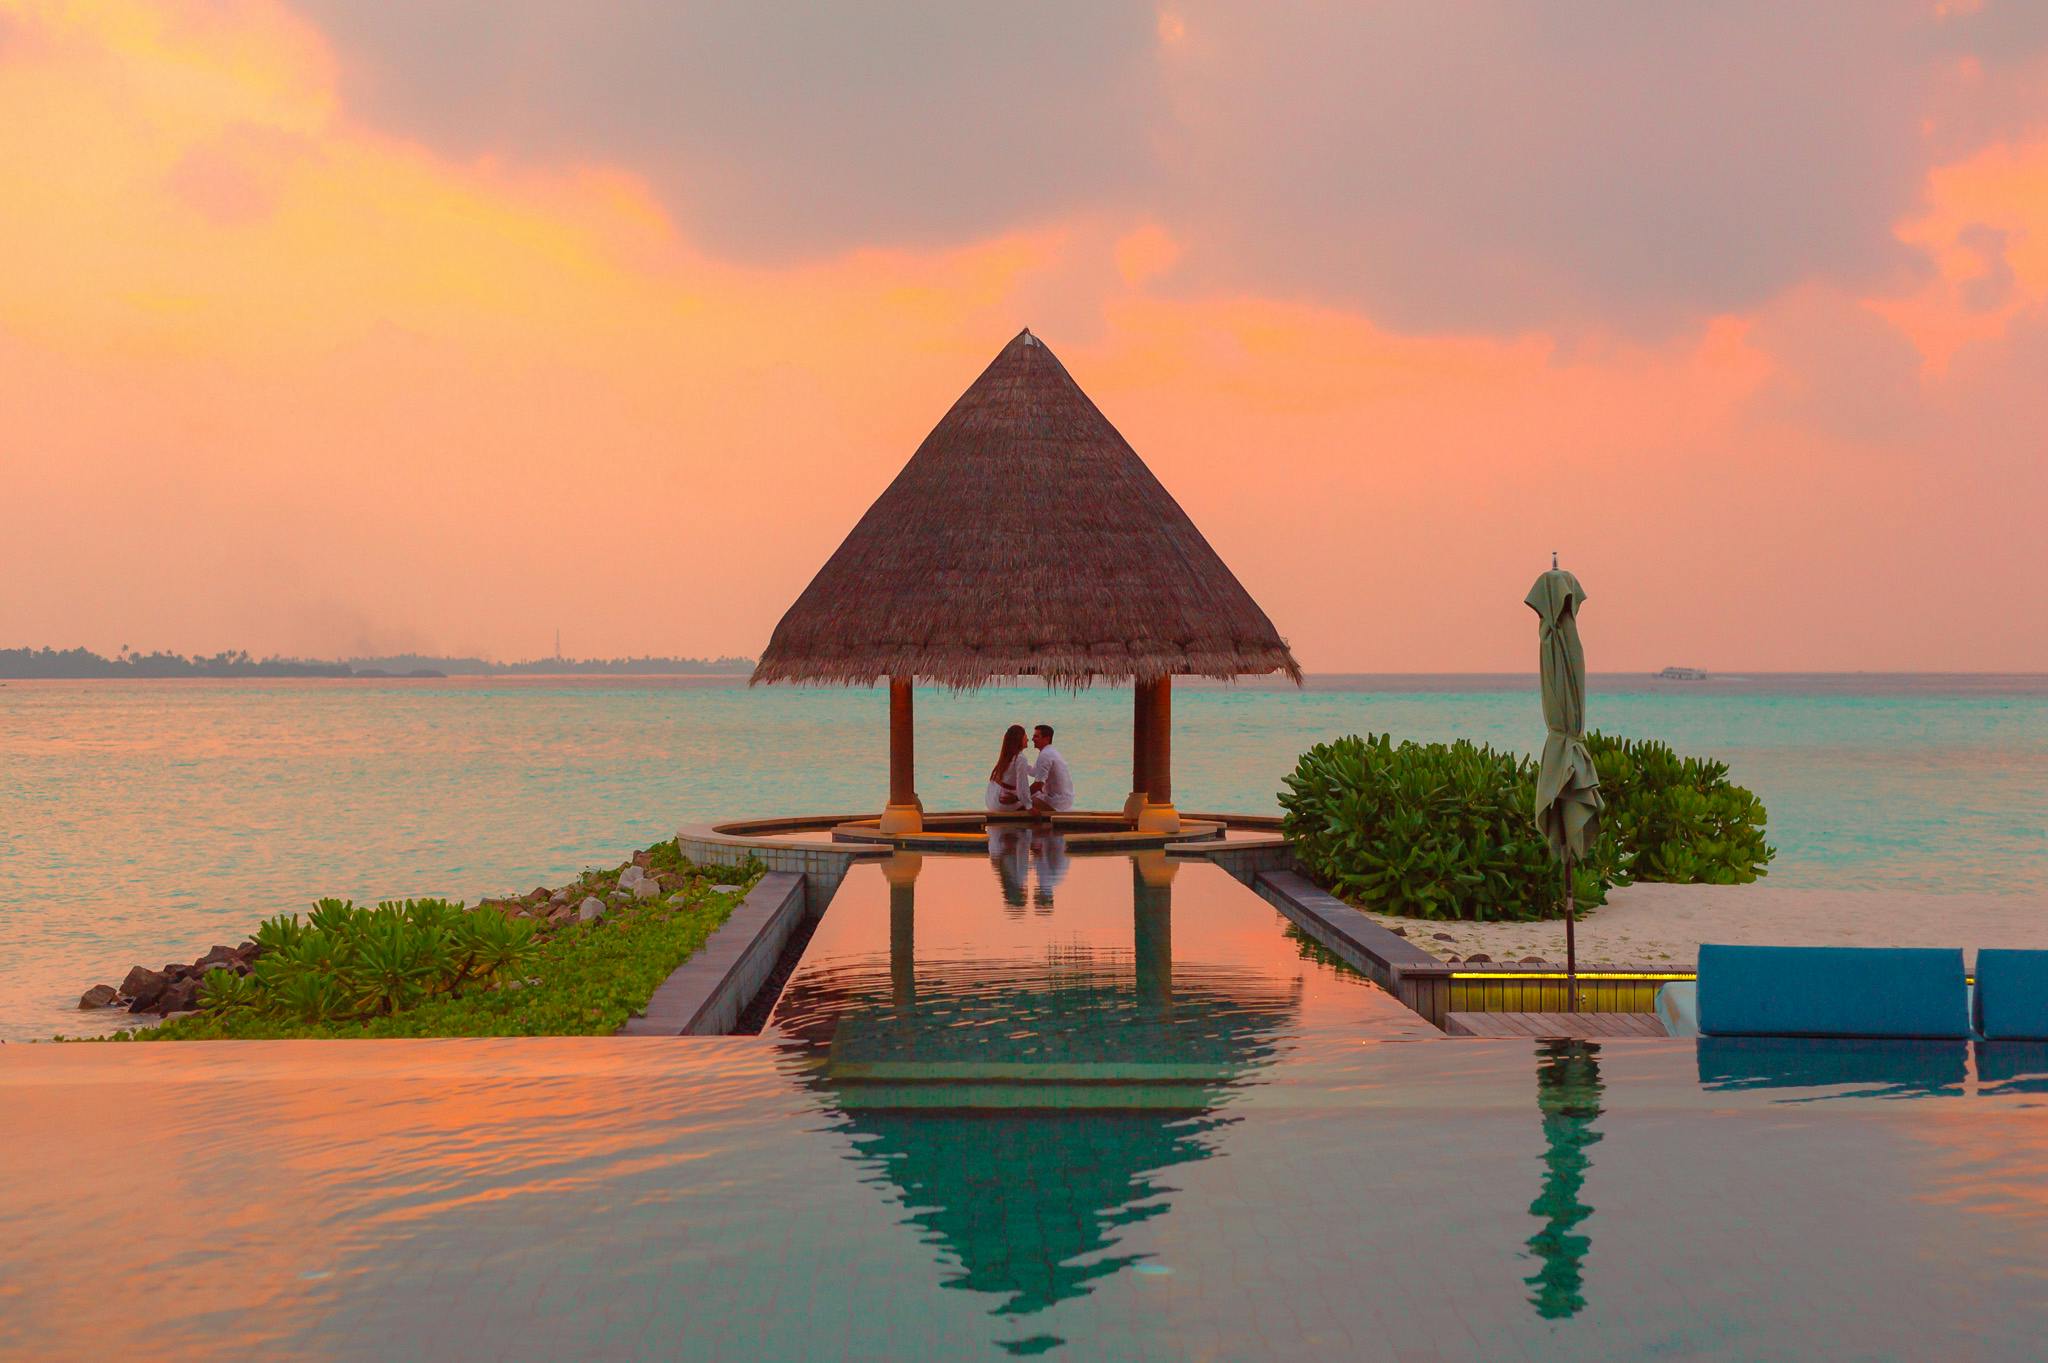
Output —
(1443, 830)
(574, 961)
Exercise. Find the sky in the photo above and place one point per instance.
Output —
(334, 328)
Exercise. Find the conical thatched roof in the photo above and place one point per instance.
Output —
(1025, 537)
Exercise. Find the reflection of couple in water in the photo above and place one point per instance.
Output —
(1017, 785)
(1021, 854)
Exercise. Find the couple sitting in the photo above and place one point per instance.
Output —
(1017, 786)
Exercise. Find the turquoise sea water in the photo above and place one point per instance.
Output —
(143, 822)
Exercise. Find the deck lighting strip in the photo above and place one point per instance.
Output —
(1583, 974)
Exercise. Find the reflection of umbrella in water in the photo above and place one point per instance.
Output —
(1027, 1108)
(1568, 1094)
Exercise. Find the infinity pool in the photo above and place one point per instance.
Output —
(1098, 1111)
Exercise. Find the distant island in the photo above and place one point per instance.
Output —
(26, 663)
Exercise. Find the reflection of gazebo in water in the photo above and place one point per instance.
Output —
(1026, 538)
(1027, 1109)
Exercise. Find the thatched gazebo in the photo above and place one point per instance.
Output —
(1026, 538)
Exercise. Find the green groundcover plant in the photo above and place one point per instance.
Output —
(426, 967)
(1436, 830)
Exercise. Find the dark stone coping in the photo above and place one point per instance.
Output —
(705, 995)
(1351, 935)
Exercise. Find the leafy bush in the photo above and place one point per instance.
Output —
(1427, 830)
(346, 962)
(1678, 819)
(1447, 830)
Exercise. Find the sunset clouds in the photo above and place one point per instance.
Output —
(439, 325)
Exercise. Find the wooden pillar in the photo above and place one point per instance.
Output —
(1159, 815)
(1141, 748)
(903, 814)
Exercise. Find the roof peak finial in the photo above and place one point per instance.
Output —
(1027, 338)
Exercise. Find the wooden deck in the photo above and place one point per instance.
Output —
(1553, 1024)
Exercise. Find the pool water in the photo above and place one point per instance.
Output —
(1082, 1108)
(1049, 979)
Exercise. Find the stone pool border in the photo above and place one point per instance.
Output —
(706, 994)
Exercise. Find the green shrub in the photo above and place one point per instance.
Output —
(1447, 830)
(1678, 819)
(1427, 830)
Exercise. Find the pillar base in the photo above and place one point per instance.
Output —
(1134, 805)
(903, 819)
(1158, 819)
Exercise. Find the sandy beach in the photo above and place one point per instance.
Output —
(1650, 925)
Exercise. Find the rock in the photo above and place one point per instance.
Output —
(1443, 937)
(590, 910)
(181, 996)
(99, 996)
(1534, 960)
(642, 859)
(635, 881)
(672, 880)
(142, 987)
(248, 951)
(1479, 958)
(564, 914)
(725, 889)
(679, 897)
(1398, 931)
(213, 957)
(539, 894)
(212, 966)
(1451, 959)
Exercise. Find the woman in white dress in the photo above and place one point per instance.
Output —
(1009, 781)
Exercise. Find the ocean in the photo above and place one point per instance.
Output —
(141, 822)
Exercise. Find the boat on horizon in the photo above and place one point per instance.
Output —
(1680, 674)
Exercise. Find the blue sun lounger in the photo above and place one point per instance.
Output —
(1851, 992)
(2011, 998)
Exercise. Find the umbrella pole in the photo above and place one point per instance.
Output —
(1571, 945)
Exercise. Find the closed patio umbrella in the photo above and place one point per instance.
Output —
(1567, 787)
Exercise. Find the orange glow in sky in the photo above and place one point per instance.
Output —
(280, 371)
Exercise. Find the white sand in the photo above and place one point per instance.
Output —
(1651, 925)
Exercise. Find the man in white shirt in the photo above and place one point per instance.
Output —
(1052, 785)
